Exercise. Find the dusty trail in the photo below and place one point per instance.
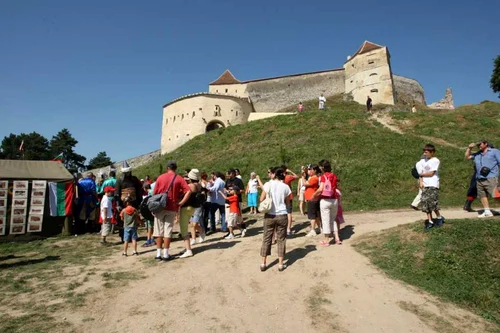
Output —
(221, 289)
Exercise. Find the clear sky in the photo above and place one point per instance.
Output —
(104, 69)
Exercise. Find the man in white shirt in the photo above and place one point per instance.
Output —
(429, 183)
(322, 101)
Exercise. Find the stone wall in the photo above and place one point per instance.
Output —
(408, 90)
(133, 162)
(446, 103)
(271, 95)
(196, 114)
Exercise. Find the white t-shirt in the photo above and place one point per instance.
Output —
(106, 208)
(279, 191)
(430, 165)
(253, 186)
(322, 99)
(420, 165)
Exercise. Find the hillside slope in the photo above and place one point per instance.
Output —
(372, 162)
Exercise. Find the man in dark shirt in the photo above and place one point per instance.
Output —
(233, 181)
(369, 104)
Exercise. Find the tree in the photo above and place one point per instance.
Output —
(495, 76)
(100, 161)
(35, 147)
(63, 143)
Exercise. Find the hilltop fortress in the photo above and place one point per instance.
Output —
(230, 101)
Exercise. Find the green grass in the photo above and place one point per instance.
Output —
(459, 262)
(373, 163)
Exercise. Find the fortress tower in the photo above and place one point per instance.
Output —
(368, 73)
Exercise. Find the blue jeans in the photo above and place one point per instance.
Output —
(222, 210)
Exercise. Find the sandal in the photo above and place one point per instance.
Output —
(281, 268)
(124, 254)
(324, 243)
(263, 267)
(135, 253)
(338, 242)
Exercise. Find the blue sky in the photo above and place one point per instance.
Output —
(103, 69)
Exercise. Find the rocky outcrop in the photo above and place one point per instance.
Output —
(446, 103)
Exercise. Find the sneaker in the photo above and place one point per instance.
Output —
(167, 258)
(440, 221)
(187, 254)
(288, 232)
(243, 232)
(230, 236)
(428, 226)
(192, 242)
(281, 268)
(158, 258)
(311, 233)
(124, 254)
(201, 239)
(485, 214)
(135, 253)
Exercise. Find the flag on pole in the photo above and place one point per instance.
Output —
(21, 147)
(58, 158)
(61, 198)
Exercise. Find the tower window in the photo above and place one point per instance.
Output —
(194, 113)
(182, 117)
(166, 121)
(374, 90)
(373, 74)
(226, 91)
(371, 62)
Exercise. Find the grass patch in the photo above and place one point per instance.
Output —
(372, 162)
(459, 262)
(317, 308)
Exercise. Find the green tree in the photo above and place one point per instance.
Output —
(63, 143)
(35, 147)
(100, 161)
(495, 76)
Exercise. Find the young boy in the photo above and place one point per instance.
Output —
(106, 217)
(130, 218)
(234, 209)
(429, 183)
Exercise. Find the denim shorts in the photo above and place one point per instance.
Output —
(130, 234)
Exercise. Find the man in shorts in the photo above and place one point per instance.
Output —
(486, 160)
(164, 220)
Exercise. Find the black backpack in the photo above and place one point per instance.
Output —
(414, 172)
(144, 209)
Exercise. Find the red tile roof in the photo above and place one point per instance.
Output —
(226, 78)
(367, 47)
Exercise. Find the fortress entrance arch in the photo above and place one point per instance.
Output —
(213, 125)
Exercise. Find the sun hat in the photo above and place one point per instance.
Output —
(194, 174)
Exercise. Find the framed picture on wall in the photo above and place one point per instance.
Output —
(36, 218)
(17, 229)
(37, 201)
(19, 202)
(3, 193)
(38, 193)
(18, 219)
(3, 211)
(3, 220)
(40, 184)
(36, 209)
(20, 184)
(19, 211)
(20, 194)
(4, 184)
(34, 227)
(3, 202)
(2, 229)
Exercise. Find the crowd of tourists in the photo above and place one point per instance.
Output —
(201, 204)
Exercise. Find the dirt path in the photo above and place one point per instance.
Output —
(221, 289)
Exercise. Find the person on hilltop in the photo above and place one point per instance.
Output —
(369, 105)
(429, 183)
(178, 193)
(486, 161)
(301, 107)
(127, 186)
(322, 101)
(275, 221)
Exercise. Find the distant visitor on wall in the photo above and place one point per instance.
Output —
(413, 109)
(301, 107)
(322, 101)
(369, 104)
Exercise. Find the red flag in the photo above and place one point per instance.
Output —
(21, 147)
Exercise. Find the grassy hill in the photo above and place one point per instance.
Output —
(373, 163)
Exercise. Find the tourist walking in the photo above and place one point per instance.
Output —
(486, 161)
(301, 189)
(429, 183)
(252, 192)
(290, 177)
(275, 221)
(312, 185)
(178, 193)
(322, 101)
(369, 105)
(328, 203)
(217, 202)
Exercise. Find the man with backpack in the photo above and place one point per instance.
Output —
(177, 194)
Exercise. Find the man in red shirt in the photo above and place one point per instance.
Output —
(290, 176)
(178, 195)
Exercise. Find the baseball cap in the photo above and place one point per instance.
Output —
(172, 164)
(481, 141)
(109, 189)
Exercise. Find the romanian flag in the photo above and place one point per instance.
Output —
(61, 198)
(58, 158)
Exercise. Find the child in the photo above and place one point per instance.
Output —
(130, 218)
(106, 216)
(234, 209)
(148, 219)
(429, 183)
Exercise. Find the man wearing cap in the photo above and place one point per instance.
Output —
(178, 194)
(486, 160)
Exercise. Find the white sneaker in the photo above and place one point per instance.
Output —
(193, 241)
(201, 239)
(486, 214)
(243, 232)
(230, 236)
(186, 254)
(311, 233)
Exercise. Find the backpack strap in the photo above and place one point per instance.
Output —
(171, 184)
